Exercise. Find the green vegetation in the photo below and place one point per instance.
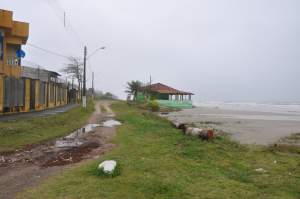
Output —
(133, 88)
(18, 133)
(158, 161)
(153, 105)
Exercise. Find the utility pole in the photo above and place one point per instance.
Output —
(84, 73)
(149, 88)
(84, 78)
(64, 19)
(93, 85)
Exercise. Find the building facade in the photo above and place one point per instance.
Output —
(24, 89)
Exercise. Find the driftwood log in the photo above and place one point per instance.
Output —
(179, 125)
(203, 134)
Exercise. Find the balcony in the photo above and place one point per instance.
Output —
(6, 19)
(11, 67)
(13, 61)
(20, 29)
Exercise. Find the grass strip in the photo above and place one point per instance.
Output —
(19, 133)
(158, 161)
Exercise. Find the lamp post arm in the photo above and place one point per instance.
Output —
(94, 52)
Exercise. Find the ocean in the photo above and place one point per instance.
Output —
(291, 108)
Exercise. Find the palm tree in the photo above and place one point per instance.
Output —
(133, 88)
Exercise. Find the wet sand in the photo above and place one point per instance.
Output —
(246, 127)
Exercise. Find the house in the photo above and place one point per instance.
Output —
(168, 96)
(23, 88)
(13, 34)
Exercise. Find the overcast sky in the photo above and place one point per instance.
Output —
(239, 50)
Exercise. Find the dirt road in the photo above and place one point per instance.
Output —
(28, 167)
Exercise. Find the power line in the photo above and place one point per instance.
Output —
(47, 51)
(31, 63)
(61, 15)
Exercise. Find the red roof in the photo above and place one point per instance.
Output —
(161, 88)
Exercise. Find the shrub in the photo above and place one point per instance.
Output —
(153, 105)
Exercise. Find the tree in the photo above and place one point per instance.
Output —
(133, 88)
(74, 69)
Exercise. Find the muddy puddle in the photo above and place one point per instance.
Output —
(66, 150)
(111, 123)
(76, 138)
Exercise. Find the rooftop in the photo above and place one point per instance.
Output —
(16, 30)
(164, 89)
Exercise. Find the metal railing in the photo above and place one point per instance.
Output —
(13, 61)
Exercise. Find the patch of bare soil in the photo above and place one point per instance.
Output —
(31, 165)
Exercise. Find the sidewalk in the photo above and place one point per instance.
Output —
(47, 112)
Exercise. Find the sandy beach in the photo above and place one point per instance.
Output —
(246, 127)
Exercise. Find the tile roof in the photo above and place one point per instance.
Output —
(161, 88)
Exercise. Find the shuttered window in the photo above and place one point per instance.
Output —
(51, 92)
(13, 92)
(42, 93)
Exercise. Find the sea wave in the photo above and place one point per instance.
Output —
(273, 107)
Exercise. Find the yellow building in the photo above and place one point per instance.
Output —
(24, 89)
(13, 34)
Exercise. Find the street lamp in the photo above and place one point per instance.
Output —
(84, 71)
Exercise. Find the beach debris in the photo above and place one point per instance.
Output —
(179, 125)
(111, 123)
(261, 170)
(197, 131)
(203, 134)
(189, 130)
(108, 166)
(207, 134)
(275, 161)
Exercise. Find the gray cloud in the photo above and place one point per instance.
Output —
(219, 49)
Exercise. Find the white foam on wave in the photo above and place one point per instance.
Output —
(282, 108)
